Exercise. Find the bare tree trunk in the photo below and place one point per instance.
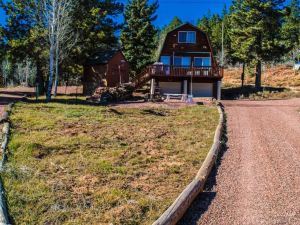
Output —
(258, 75)
(52, 26)
(40, 83)
(58, 15)
(243, 76)
(51, 72)
(27, 72)
(56, 68)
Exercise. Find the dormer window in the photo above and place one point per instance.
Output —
(187, 37)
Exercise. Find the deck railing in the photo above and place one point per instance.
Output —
(203, 71)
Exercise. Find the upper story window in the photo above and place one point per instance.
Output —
(187, 37)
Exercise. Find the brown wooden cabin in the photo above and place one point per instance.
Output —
(186, 65)
(109, 65)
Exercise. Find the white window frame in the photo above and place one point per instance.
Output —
(187, 32)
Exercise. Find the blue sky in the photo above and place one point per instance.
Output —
(187, 10)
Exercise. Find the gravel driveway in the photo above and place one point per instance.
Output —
(258, 180)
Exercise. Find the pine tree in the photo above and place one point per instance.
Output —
(25, 35)
(204, 24)
(291, 29)
(255, 32)
(138, 36)
(175, 22)
(2, 44)
(96, 27)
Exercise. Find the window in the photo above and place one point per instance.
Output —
(187, 37)
(182, 61)
(202, 61)
(166, 60)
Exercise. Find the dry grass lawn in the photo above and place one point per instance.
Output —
(279, 82)
(279, 76)
(77, 164)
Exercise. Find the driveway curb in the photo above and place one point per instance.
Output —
(175, 212)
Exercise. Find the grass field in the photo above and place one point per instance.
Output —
(76, 164)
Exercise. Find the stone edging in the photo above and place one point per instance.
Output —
(4, 216)
(175, 212)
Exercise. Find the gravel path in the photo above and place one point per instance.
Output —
(258, 180)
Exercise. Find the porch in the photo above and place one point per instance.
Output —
(185, 71)
(185, 87)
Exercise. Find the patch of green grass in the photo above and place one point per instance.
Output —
(77, 164)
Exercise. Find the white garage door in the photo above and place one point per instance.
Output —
(202, 89)
(170, 87)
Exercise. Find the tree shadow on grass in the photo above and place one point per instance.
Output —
(71, 100)
(154, 112)
(17, 93)
(246, 91)
(204, 199)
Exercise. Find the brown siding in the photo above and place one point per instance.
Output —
(117, 68)
(111, 71)
(92, 76)
(171, 45)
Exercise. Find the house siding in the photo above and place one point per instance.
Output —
(173, 48)
(93, 74)
(202, 85)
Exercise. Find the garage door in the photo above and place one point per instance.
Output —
(170, 87)
(202, 89)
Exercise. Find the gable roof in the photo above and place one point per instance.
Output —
(181, 25)
(101, 57)
(165, 37)
(184, 24)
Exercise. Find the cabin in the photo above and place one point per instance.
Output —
(186, 65)
(104, 69)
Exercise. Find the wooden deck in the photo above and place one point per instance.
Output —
(175, 71)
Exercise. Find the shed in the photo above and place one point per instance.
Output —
(105, 68)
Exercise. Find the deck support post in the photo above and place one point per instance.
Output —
(219, 85)
(152, 88)
(185, 87)
(185, 91)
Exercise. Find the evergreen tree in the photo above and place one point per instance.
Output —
(175, 22)
(96, 27)
(255, 32)
(138, 36)
(204, 24)
(26, 33)
(215, 25)
(2, 44)
(291, 29)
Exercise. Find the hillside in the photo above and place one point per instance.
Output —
(279, 76)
